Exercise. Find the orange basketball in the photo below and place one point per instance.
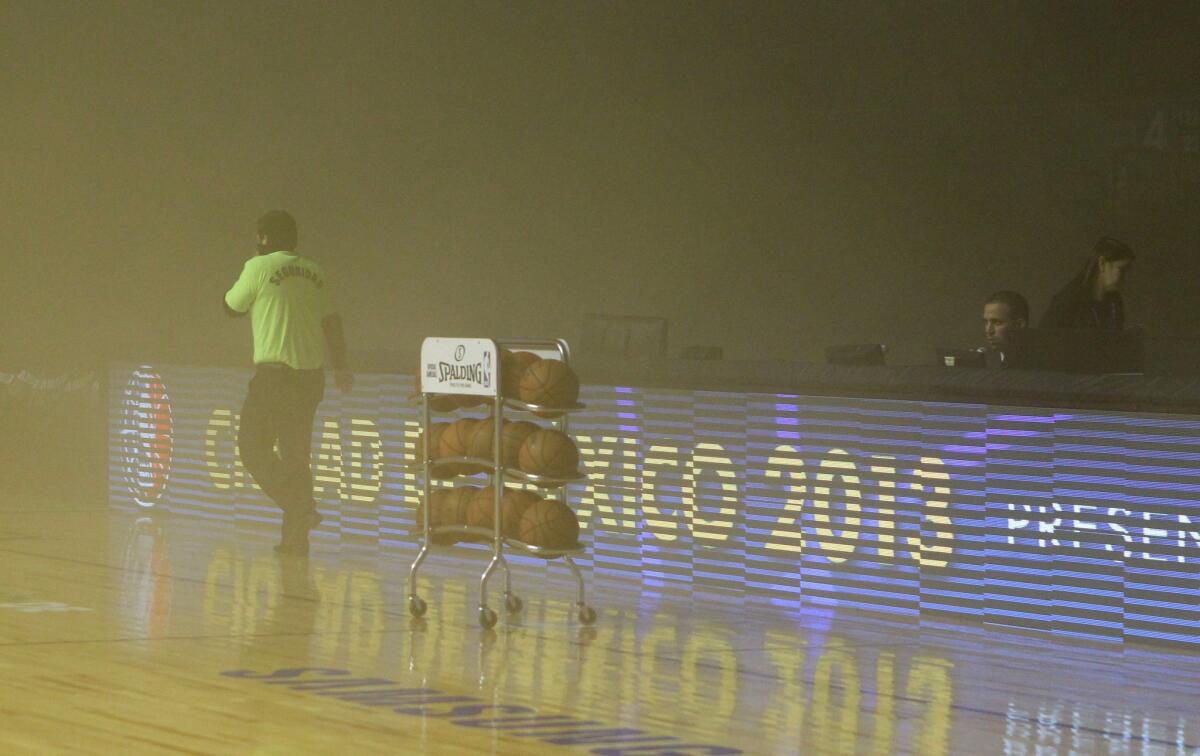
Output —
(454, 442)
(469, 400)
(551, 383)
(480, 444)
(458, 502)
(443, 510)
(516, 501)
(435, 434)
(549, 524)
(513, 365)
(443, 403)
(456, 438)
(513, 437)
(481, 508)
(550, 453)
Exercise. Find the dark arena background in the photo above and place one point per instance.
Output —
(882, 316)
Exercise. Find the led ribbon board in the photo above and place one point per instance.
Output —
(1070, 522)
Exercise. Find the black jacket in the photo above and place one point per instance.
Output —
(1073, 307)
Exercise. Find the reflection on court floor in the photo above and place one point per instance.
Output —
(662, 671)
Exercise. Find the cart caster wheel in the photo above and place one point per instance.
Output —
(487, 618)
(587, 615)
(416, 606)
(513, 604)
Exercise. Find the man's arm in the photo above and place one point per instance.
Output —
(241, 296)
(335, 338)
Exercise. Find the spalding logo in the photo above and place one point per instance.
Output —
(147, 437)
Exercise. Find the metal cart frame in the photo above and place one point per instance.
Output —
(499, 474)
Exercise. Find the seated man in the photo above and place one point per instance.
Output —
(1003, 313)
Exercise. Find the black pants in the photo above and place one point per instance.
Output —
(279, 410)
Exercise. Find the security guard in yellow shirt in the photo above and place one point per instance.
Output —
(293, 316)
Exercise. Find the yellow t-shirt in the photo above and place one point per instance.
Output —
(287, 297)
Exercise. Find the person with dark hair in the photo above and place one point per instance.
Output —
(1003, 312)
(280, 228)
(1092, 299)
(293, 317)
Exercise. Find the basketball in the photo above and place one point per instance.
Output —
(454, 509)
(455, 440)
(457, 504)
(549, 524)
(435, 435)
(443, 403)
(443, 510)
(513, 437)
(550, 383)
(465, 401)
(550, 453)
(480, 444)
(481, 508)
(516, 501)
(513, 365)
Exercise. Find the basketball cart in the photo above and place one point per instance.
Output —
(472, 367)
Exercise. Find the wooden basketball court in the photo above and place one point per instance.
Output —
(132, 632)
